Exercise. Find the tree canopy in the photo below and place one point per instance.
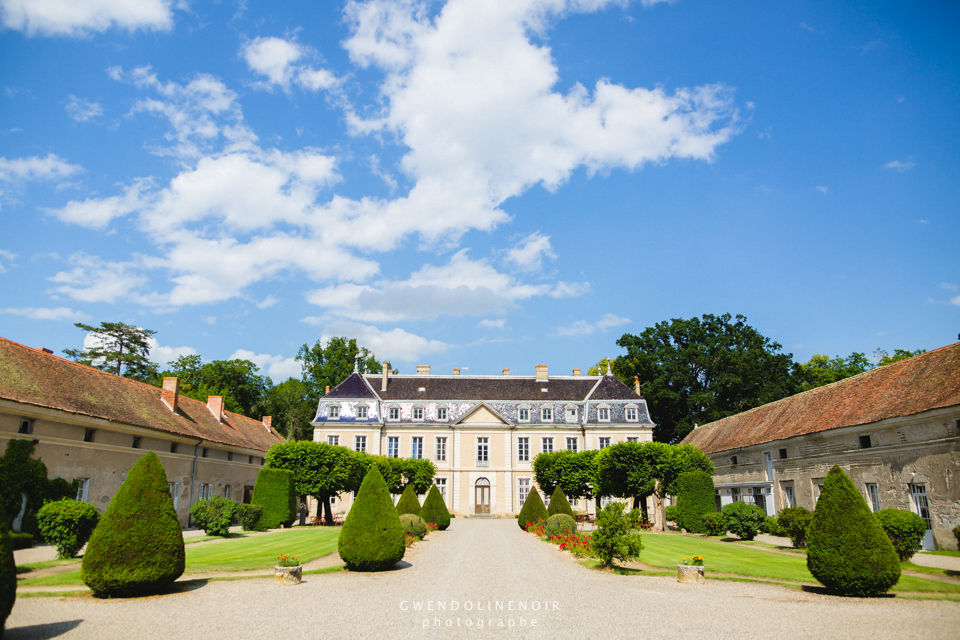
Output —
(243, 390)
(572, 471)
(119, 348)
(331, 364)
(822, 369)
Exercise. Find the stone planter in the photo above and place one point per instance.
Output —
(288, 575)
(690, 573)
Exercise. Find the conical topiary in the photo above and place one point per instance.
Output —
(8, 574)
(435, 509)
(847, 549)
(274, 493)
(559, 504)
(372, 537)
(137, 548)
(408, 502)
(532, 509)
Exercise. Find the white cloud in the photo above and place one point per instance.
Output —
(97, 213)
(267, 302)
(948, 286)
(79, 17)
(274, 59)
(900, 166)
(584, 328)
(804, 25)
(499, 323)
(955, 301)
(165, 355)
(278, 368)
(82, 110)
(392, 345)
(528, 255)
(93, 279)
(9, 256)
(823, 190)
(40, 313)
(51, 167)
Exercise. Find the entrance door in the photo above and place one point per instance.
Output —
(919, 493)
(481, 496)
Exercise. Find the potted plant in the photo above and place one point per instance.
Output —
(691, 570)
(288, 570)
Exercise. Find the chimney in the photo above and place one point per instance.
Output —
(456, 371)
(386, 374)
(45, 350)
(636, 385)
(215, 404)
(423, 369)
(541, 371)
(171, 389)
(268, 423)
(506, 372)
(326, 391)
(576, 372)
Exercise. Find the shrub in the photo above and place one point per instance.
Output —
(408, 502)
(714, 524)
(559, 523)
(372, 538)
(847, 550)
(793, 522)
(67, 525)
(21, 541)
(414, 525)
(771, 526)
(695, 497)
(214, 515)
(274, 493)
(559, 504)
(137, 548)
(8, 574)
(956, 534)
(614, 539)
(670, 513)
(744, 520)
(435, 509)
(21, 474)
(248, 515)
(905, 530)
(532, 509)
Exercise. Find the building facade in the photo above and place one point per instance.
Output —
(92, 426)
(894, 430)
(481, 432)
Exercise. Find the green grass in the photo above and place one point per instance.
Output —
(46, 564)
(955, 554)
(56, 580)
(232, 536)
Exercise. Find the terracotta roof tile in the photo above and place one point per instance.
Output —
(927, 381)
(30, 376)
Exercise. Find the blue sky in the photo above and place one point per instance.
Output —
(478, 183)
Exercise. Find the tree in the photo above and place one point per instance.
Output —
(572, 471)
(118, 348)
(700, 370)
(331, 364)
(601, 368)
(435, 509)
(408, 502)
(236, 381)
(884, 358)
(319, 469)
(822, 369)
(24, 477)
(614, 538)
(372, 536)
(292, 403)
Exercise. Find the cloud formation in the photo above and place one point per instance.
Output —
(584, 328)
(59, 313)
(276, 58)
(900, 166)
(51, 167)
(82, 110)
(82, 17)
(392, 345)
(278, 368)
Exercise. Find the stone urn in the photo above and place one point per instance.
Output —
(690, 573)
(288, 575)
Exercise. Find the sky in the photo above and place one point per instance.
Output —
(481, 184)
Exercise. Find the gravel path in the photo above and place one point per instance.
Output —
(480, 563)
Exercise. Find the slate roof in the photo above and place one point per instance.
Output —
(31, 376)
(921, 383)
(352, 387)
(514, 388)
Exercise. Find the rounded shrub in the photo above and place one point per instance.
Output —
(695, 497)
(905, 530)
(275, 495)
(435, 509)
(214, 515)
(847, 550)
(793, 522)
(137, 548)
(560, 523)
(408, 502)
(714, 524)
(670, 513)
(744, 520)
(559, 504)
(532, 509)
(248, 515)
(8, 574)
(771, 526)
(372, 538)
(414, 525)
(67, 525)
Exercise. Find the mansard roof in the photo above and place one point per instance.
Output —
(928, 381)
(508, 388)
(354, 387)
(610, 388)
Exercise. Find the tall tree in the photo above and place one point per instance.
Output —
(884, 358)
(118, 348)
(319, 469)
(243, 390)
(293, 404)
(822, 369)
(703, 369)
(331, 364)
(572, 471)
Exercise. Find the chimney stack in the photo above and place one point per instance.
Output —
(423, 369)
(456, 371)
(326, 391)
(636, 385)
(506, 372)
(386, 373)
(541, 371)
(170, 391)
(47, 351)
(576, 372)
(268, 423)
(215, 405)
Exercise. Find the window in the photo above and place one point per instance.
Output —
(524, 415)
(919, 493)
(735, 494)
(546, 414)
(229, 456)
(362, 411)
(817, 489)
(173, 447)
(137, 440)
(605, 500)
(394, 413)
(571, 444)
(393, 447)
(604, 442)
(203, 492)
(603, 414)
(546, 445)
(226, 492)
(88, 435)
(483, 451)
(417, 447)
(441, 449)
(83, 491)
(783, 454)
(873, 496)
(441, 486)
(631, 414)
(249, 459)
(733, 460)
(633, 439)
(865, 442)
(205, 452)
(175, 493)
(26, 426)
(523, 490)
(523, 449)
(441, 413)
(571, 414)
(334, 440)
(261, 462)
(360, 443)
(418, 413)
(334, 412)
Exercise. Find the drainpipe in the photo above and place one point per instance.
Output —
(193, 478)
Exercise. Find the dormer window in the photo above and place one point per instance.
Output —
(546, 414)
(418, 413)
(393, 413)
(362, 411)
(603, 414)
(441, 413)
(630, 413)
(333, 412)
(571, 414)
(524, 414)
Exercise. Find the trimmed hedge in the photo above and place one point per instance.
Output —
(532, 509)
(214, 515)
(847, 549)
(67, 525)
(670, 513)
(559, 523)
(714, 524)
(414, 525)
(21, 541)
(372, 537)
(793, 522)
(408, 502)
(248, 515)
(905, 530)
(744, 520)
(8, 575)
(559, 504)
(274, 494)
(695, 497)
(137, 548)
(435, 509)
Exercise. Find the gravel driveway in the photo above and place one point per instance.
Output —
(470, 568)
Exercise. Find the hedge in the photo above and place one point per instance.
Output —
(214, 515)
(137, 548)
(559, 504)
(532, 509)
(21, 541)
(744, 520)
(274, 493)
(793, 522)
(435, 509)
(372, 538)
(905, 530)
(67, 525)
(408, 502)
(695, 497)
(248, 515)
(714, 524)
(8, 575)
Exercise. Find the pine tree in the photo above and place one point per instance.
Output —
(372, 537)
